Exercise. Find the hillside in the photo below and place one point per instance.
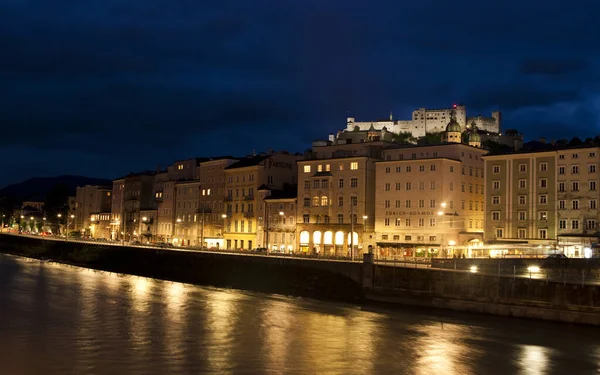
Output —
(36, 188)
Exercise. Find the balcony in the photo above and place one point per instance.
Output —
(248, 197)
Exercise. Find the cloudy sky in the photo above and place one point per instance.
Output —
(102, 88)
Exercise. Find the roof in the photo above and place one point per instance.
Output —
(248, 161)
(409, 146)
(288, 192)
(536, 146)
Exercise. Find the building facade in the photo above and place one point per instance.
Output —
(543, 201)
(336, 196)
(279, 226)
(92, 206)
(243, 206)
(430, 200)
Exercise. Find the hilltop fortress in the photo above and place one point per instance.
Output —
(430, 121)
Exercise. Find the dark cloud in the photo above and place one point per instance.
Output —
(549, 67)
(130, 84)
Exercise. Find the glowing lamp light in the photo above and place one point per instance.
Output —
(451, 242)
(473, 269)
(533, 269)
(440, 213)
(443, 205)
(454, 106)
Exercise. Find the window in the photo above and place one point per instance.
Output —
(408, 186)
(341, 167)
(316, 201)
(593, 204)
(590, 224)
(407, 203)
(421, 203)
(574, 169)
(522, 233)
(305, 218)
(408, 168)
(522, 215)
(307, 184)
(592, 185)
(495, 169)
(307, 169)
(421, 222)
(324, 184)
(522, 168)
(432, 185)
(499, 232)
(561, 187)
(496, 185)
(421, 168)
(354, 165)
(340, 218)
(495, 215)
(432, 167)
(387, 203)
(575, 204)
(496, 199)
(324, 201)
(575, 186)
(543, 215)
(543, 199)
(451, 168)
(340, 201)
(397, 223)
(562, 224)
(386, 222)
(354, 200)
(306, 202)
(398, 203)
(542, 233)
(451, 186)
(561, 170)
(575, 156)
(341, 183)
(432, 203)
(561, 156)
(398, 169)
(592, 155)
(387, 169)
(327, 168)
(407, 238)
(396, 237)
(319, 168)
(562, 205)
(543, 183)
(592, 168)
(432, 222)
(522, 184)
(407, 222)
(316, 184)
(387, 186)
(574, 224)
(398, 185)
(354, 182)
(421, 186)
(543, 167)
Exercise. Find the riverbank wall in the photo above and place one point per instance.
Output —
(365, 282)
(304, 278)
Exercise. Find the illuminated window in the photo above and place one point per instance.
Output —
(307, 169)
(324, 201)
(354, 165)
(319, 168)
(180, 167)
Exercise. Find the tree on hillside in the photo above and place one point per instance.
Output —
(404, 138)
(495, 147)
(433, 138)
(56, 200)
(575, 141)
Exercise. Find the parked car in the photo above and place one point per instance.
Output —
(556, 256)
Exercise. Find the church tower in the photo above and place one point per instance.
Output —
(474, 138)
(453, 129)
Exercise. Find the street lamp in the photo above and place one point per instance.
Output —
(31, 223)
(2, 227)
(365, 217)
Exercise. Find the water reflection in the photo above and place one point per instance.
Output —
(64, 320)
(534, 360)
(443, 348)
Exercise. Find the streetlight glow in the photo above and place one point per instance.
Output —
(443, 205)
(144, 218)
(440, 213)
(281, 213)
(224, 216)
(365, 217)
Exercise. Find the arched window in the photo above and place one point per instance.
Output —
(304, 237)
(328, 238)
(339, 238)
(317, 238)
(315, 201)
(324, 201)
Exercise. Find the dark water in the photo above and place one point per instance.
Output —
(56, 319)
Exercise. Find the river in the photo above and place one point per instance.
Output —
(58, 319)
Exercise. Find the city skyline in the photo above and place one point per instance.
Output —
(108, 89)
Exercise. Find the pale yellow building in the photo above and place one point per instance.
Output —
(280, 225)
(429, 200)
(244, 207)
(187, 223)
(542, 201)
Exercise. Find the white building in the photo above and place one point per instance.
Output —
(430, 121)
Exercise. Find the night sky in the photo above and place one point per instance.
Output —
(102, 88)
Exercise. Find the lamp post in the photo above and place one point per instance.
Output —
(144, 223)
(59, 216)
(178, 222)
(281, 214)
(2, 227)
(224, 217)
(365, 217)
(44, 225)
(92, 226)
(72, 217)
(31, 224)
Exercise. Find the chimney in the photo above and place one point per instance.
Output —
(543, 140)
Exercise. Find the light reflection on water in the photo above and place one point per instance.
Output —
(57, 319)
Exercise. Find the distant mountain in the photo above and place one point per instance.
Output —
(36, 188)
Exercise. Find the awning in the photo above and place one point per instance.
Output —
(400, 244)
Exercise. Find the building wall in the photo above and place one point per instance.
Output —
(117, 208)
(429, 199)
(328, 200)
(244, 206)
(187, 231)
(281, 222)
(89, 200)
(212, 194)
